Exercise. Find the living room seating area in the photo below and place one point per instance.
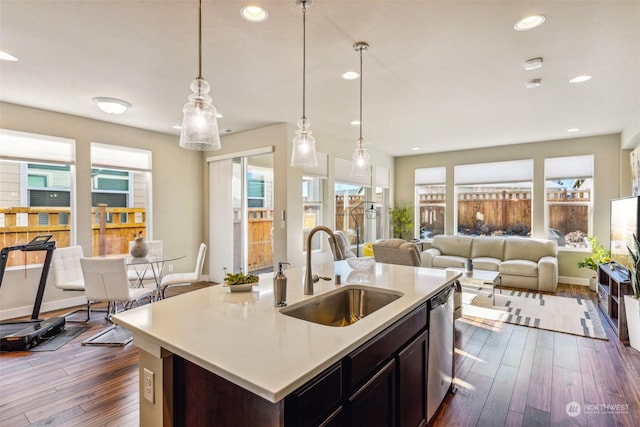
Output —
(522, 262)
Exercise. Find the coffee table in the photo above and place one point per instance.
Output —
(480, 278)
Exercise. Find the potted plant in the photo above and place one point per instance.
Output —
(632, 302)
(401, 221)
(599, 255)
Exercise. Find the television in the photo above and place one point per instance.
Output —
(625, 222)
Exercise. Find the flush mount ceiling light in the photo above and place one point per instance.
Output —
(533, 64)
(304, 144)
(580, 79)
(199, 124)
(254, 13)
(360, 161)
(6, 56)
(112, 105)
(531, 84)
(529, 23)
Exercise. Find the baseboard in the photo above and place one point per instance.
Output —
(12, 313)
(573, 280)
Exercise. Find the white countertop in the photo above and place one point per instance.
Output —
(241, 337)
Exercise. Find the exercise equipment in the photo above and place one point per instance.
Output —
(21, 335)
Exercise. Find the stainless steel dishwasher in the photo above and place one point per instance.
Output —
(440, 365)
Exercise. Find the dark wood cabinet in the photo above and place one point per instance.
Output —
(383, 383)
(374, 404)
(613, 284)
(412, 383)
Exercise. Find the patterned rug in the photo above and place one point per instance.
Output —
(575, 316)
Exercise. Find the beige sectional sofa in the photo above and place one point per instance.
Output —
(523, 262)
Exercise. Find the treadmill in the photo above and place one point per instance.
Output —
(23, 334)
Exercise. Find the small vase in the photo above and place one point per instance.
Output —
(139, 249)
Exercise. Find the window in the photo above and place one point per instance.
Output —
(120, 197)
(36, 182)
(494, 199)
(312, 200)
(352, 195)
(568, 199)
(255, 189)
(381, 199)
(431, 201)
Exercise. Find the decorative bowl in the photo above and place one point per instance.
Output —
(245, 287)
(361, 263)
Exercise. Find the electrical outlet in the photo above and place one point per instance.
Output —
(148, 385)
(170, 268)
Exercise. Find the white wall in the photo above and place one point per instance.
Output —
(177, 192)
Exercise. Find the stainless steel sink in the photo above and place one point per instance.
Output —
(342, 307)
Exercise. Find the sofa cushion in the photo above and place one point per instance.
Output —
(490, 247)
(519, 267)
(529, 249)
(486, 263)
(459, 246)
(446, 261)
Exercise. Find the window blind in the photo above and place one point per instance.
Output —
(431, 176)
(342, 173)
(320, 171)
(119, 157)
(494, 172)
(568, 167)
(24, 146)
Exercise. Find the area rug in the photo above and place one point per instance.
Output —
(575, 316)
(57, 341)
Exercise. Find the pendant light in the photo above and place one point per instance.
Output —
(200, 124)
(304, 144)
(360, 161)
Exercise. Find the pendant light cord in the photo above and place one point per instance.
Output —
(360, 140)
(304, 57)
(200, 41)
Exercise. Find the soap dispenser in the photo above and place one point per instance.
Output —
(280, 287)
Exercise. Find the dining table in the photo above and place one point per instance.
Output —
(141, 266)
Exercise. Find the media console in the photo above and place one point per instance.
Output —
(613, 284)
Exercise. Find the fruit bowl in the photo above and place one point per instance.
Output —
(361, 263)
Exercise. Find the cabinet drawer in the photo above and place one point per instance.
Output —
(312, 403)
(361, 363)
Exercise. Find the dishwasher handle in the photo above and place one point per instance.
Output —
(441, 298)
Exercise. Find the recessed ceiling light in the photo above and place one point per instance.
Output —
(533, 83)
(415, 148)
(350, 75)
(176, 127)
(219, 116)
(573, 130)
(580, 79)
(6, 56)
(530, 22)
(533, 64)
(254, 13)
(354, 122)
(112, 105)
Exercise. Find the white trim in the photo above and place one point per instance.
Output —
(246, 153)
(573, 280)
(27, 310)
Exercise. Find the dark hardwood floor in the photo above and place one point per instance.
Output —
(506, 375)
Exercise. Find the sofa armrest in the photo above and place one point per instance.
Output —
(426, 257)
(548, 274)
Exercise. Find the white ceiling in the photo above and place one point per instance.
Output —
(439, 75)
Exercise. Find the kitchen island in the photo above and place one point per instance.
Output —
(256, 356)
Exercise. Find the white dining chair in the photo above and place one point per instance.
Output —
(176, 279)
(106, 280)
(67, 272)
(139, 273)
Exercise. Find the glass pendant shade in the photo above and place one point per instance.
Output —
(199, 125)
(360, 162)
(304, 146)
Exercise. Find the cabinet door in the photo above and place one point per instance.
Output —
(316, 402)
(412, 383)
(374, 403)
